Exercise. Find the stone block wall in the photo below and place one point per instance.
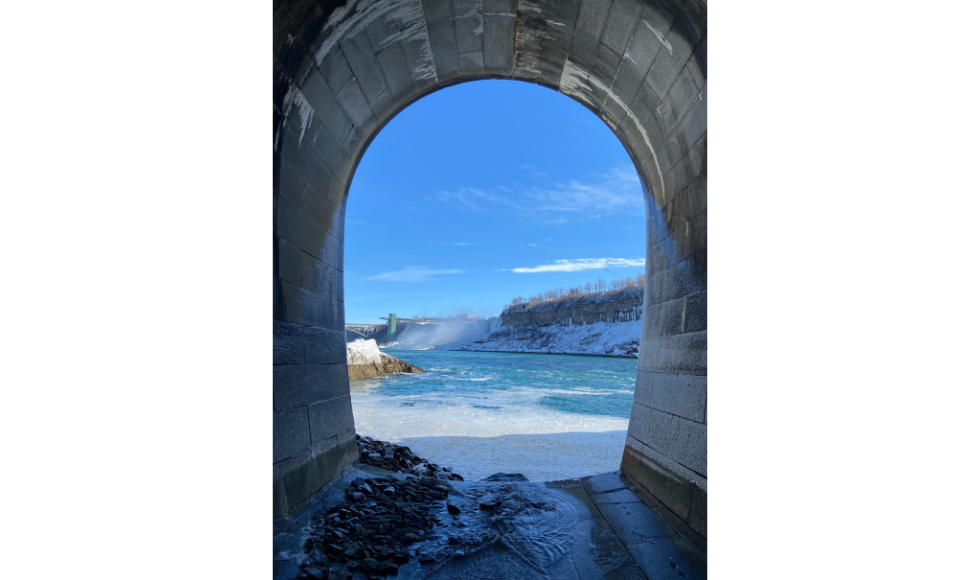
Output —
(343, 68)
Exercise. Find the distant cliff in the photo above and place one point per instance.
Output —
(619, 306)
(602, 338)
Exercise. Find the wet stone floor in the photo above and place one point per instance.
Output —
(502, 527)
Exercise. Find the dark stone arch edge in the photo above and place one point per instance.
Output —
(677, 344)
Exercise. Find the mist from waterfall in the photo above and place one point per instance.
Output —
(426, 336)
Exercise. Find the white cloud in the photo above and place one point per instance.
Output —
(412, 274)
(582, 264)
(460, 244)
(615, 192)
(533, 245)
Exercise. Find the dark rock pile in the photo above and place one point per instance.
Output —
(400, 459)
(370, 535)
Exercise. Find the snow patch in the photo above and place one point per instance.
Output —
(363, 352)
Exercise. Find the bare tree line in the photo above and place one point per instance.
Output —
(599, 287)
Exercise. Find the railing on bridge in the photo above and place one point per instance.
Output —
(364, 330)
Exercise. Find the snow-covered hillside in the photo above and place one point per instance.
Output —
(602, 338)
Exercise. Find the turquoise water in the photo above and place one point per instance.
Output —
(493, 381)
(484, 412)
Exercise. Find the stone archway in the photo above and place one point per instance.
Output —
(342, 70)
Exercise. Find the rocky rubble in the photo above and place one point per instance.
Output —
(373, 532)
(400, 459)
(388, 521)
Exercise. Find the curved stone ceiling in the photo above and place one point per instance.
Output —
(342, 70)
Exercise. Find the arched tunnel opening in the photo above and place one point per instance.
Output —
(343, 70)
(452, 202)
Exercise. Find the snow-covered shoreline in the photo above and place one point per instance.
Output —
(618, 339)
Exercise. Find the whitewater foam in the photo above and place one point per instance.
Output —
(396, 418)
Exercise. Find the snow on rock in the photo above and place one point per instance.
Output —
(364, 359)
(600, 338)
(363, 352)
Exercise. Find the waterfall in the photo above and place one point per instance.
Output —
(491, 325)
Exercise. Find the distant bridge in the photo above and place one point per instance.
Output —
(363, 330)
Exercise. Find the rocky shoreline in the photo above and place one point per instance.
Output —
(400, 459)
(374, 530)
(387, 365)
(365, 360)
(371, 533)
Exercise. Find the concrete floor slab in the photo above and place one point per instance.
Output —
(621, 496)
(669, 557)
(698, 542)
(635, 522)
(683, 530)
(604, 483)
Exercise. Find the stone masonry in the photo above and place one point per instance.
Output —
(343, 68)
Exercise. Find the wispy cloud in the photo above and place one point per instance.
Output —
(618, 191)
(534, 171)
(460, 244)
(470, 198)
(581, 264)
(412, 274)
(533, 245)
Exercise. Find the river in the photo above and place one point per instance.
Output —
(549, 417)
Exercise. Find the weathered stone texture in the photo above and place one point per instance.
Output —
(324, 417)
(293, 428)
(342, 69)
(298, 385)
(678, 394)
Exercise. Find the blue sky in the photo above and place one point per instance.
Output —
(485, 191)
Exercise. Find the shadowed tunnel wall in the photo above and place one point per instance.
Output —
(343, 69)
